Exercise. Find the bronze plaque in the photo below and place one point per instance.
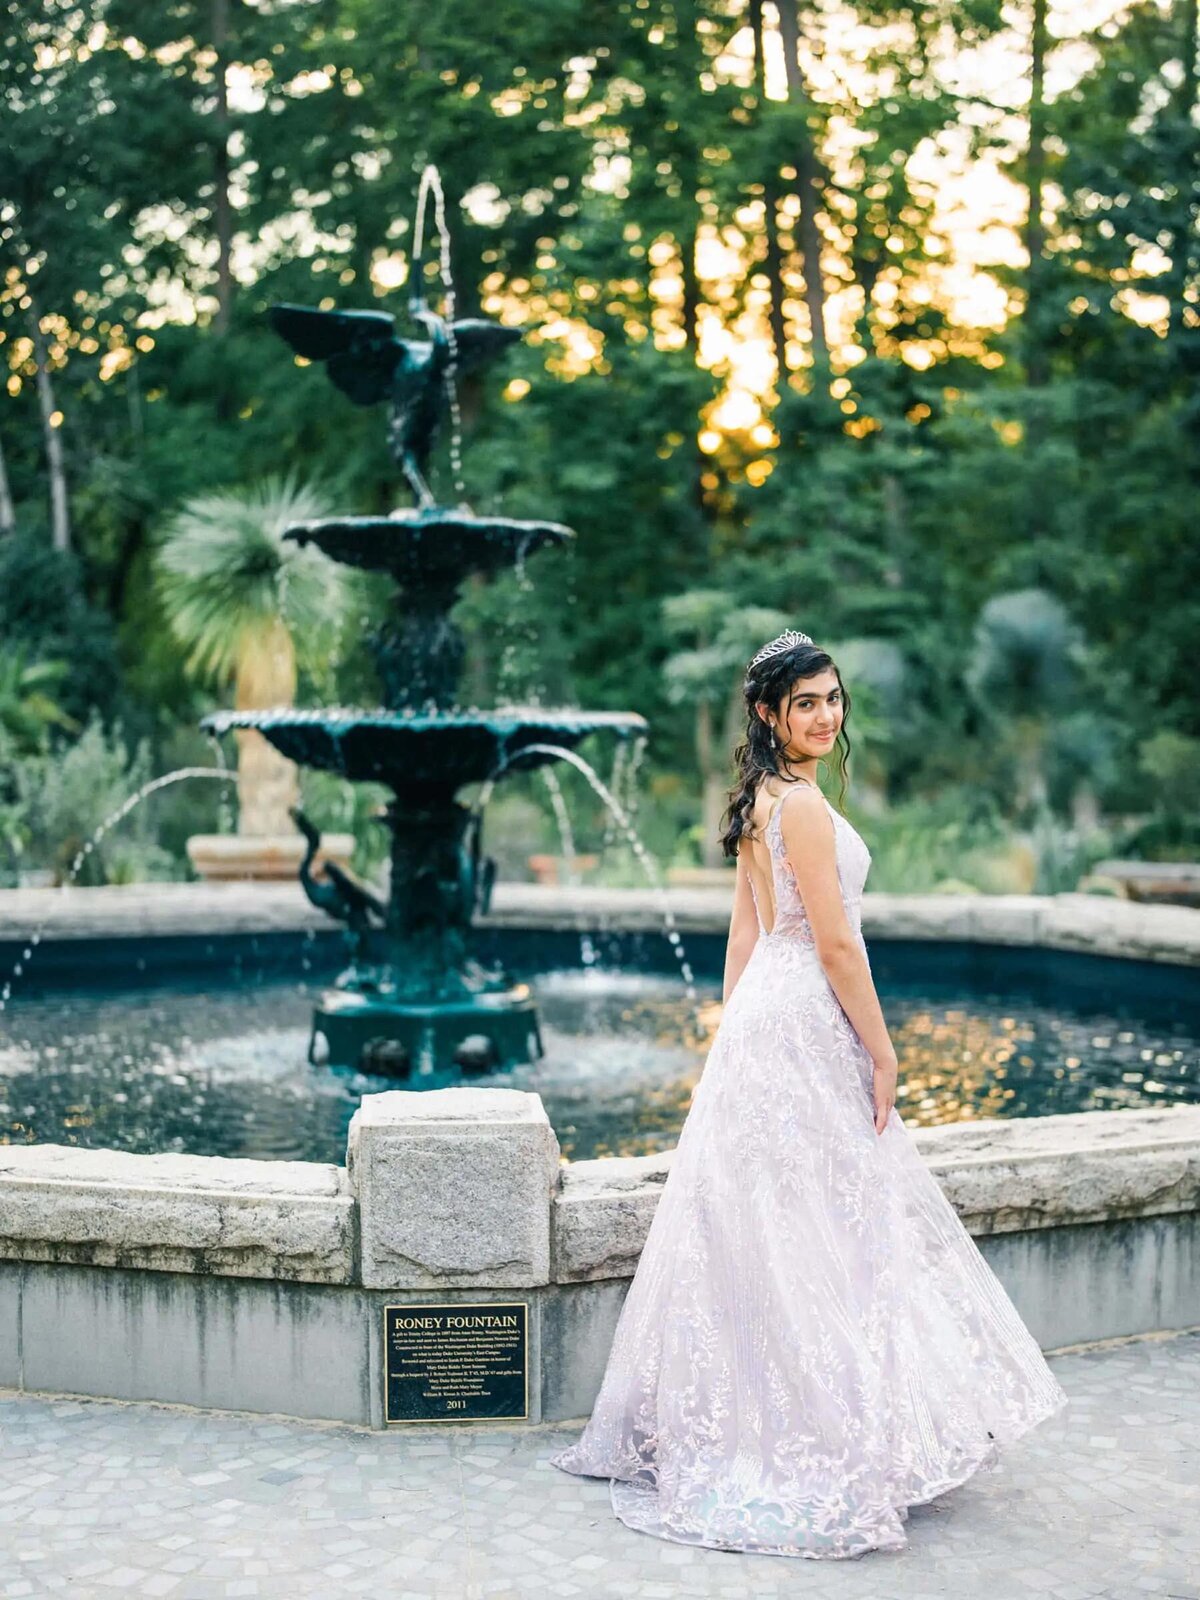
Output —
(456, 1363)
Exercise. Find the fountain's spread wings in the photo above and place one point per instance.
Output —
(365, 358)
(361, 352)
(317, 335)
(368, 363)
(476, 341)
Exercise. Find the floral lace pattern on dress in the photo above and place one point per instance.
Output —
(853, 863)
(812, 1341)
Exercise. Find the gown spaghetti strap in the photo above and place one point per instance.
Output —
(812, 1342)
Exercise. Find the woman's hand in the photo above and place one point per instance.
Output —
(884, 1080)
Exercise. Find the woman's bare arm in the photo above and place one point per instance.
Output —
(743, 930)
(810, 841)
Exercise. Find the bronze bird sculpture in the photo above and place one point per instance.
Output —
(337, 893)
(368, 362)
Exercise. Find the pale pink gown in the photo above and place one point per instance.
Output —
(812, 1342)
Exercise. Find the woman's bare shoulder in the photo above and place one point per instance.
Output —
(805, 820)
(765, 795)
(771, 794)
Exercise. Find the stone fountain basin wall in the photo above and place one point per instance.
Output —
(260, 1285)
(1092, 924)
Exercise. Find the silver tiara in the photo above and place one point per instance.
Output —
(788, 640)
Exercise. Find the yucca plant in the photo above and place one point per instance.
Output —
(243, 602)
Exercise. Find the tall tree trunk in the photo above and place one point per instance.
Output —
(1184, 250)
(1037, 370)
(771, 198)
(60, 514)
(692, 61)
(812, 179)
(222, 216)
(133, 399)
(8, 515)
(1188, 50)
(691, 304)
(690, 309)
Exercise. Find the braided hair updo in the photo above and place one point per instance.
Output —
(774, 681)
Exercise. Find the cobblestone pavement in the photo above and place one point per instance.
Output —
(99, 1498)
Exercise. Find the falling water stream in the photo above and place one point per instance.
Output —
(86, 849)
(615, 779)
(644, 858)
(431, 180)
(566, 834)
(225, 818)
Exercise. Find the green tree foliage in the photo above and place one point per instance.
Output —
(46, 616)
(172, 171)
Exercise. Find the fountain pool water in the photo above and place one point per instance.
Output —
(209, 1065)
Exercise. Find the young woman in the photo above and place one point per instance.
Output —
(811, 1342)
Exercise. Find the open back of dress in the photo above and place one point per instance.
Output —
(777, 900)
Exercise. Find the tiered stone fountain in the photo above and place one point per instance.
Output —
(414, 1001)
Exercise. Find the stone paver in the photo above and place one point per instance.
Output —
(99, 1499)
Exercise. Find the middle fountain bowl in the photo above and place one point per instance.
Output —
(422, 756)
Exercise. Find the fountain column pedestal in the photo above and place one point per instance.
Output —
(365, 1022)
(415, 1001)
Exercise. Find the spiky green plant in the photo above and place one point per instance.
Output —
(228, 582)
(1024, 664)
(243, 602)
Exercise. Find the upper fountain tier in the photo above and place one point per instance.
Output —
(435, 547)
(424, 753)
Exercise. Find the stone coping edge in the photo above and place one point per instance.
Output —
(1000, 1177)
(299, 1221)
(1093, 924)
(290, 1220)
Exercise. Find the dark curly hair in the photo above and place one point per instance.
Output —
(774, 681)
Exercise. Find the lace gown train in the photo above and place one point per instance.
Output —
(812, 1342)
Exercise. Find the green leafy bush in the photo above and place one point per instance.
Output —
(54, 801)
